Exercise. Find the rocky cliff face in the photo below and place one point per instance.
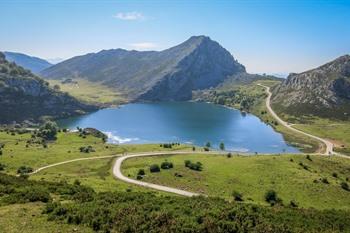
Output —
(324, 91)
(171, 74)
(24, 96)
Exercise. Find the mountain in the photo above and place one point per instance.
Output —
(171, 74)
(33, 64)
(324, 91)
(25, 96)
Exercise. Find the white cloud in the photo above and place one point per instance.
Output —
(143, 45)
(130, 16)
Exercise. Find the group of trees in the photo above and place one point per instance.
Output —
(208, 146)
(48, 131)
(86, 149)
(169, 145)
(194, 166)
(164, 165)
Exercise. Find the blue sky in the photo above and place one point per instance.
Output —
(265, 36)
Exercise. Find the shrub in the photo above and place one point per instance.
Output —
(206, 149)
(154, 168)
(86, 149)
(187, 163)
(166, 165)
(345, 186)
(335, 175)
(193, 166)
(141, 172)
(237, 196)
(193, 148)
(139, 177)
(293, 204)
(325, 181)
(272, 198)
(229, 155)
(2, 167)
(24, 170)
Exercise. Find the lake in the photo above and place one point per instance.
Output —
(184, 122)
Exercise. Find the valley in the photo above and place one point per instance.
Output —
(183, 138)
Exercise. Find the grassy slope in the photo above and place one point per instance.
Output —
(66, 147)
(253, 176)
(336, 131)
(28, 218)
(90, 92)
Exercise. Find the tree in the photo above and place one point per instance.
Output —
(48, 130)
(222, 146)
(208, 144)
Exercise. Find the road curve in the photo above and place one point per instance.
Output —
(70, 161)
(118, 174)
(329, 145)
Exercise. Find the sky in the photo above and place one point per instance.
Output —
(267, 36)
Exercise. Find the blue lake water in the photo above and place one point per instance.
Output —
(184, 122)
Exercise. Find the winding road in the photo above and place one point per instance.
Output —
(328, 144)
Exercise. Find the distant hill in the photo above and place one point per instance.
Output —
(324, 91)
(34, 64)
(25, 96)
(171, 74)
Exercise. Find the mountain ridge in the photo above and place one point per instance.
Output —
(171, 74)
(322, 91)
(32, 63)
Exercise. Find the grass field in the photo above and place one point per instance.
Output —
(96, 174)
(66, 147)
(253, 176)
(92, 92)
(28, 218)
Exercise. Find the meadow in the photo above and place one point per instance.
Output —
(295, 178)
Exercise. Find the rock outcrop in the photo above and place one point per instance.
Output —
(324, 91)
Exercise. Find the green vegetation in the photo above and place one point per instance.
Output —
(253, 176)
(91, 92)
(19, 150)
(82, 208)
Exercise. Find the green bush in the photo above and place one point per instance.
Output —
(141, 172)
(272, 198)
(194, 166)
(24, 170)
(2, 167)
(166, 165)
(154, 168)
(237, 196)
(345, 186)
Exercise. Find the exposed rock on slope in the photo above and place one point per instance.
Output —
(324, 91)
(172, 74)
(24, 96)
(33, 64)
